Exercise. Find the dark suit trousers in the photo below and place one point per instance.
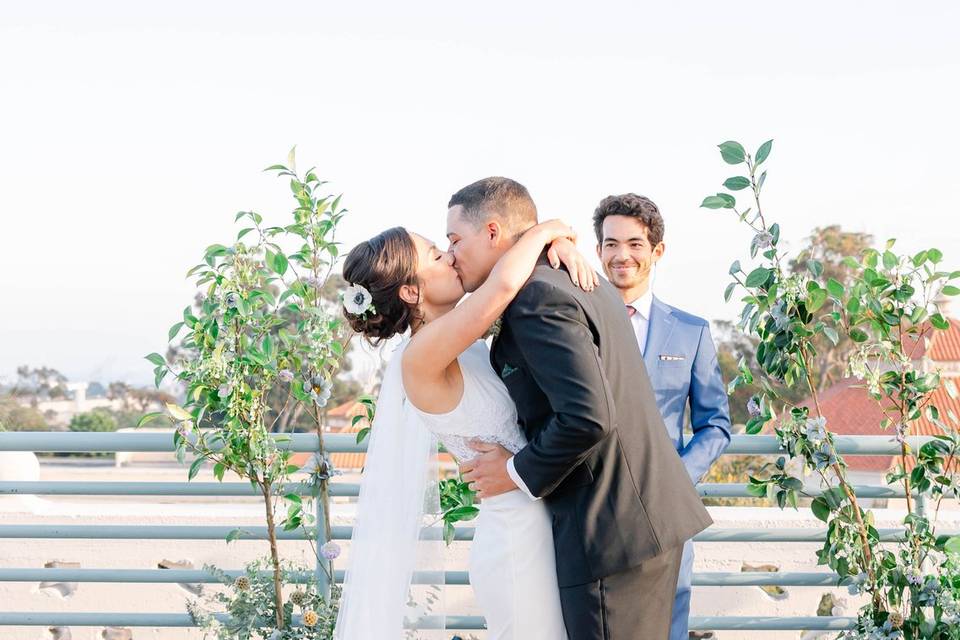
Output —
(636, 604)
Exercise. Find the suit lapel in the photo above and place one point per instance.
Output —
(659, 329)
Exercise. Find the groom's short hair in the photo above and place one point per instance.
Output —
(503, 198)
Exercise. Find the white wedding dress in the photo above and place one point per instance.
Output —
(393, 586)
(512, 562)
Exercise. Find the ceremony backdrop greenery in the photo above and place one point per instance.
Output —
(264, 330)
(884, 311)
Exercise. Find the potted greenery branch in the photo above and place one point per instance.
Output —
(888, 308)
(264, 331)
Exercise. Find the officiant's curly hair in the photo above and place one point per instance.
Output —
(633, 206)
(382, 265)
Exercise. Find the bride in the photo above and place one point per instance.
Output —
(439, 387)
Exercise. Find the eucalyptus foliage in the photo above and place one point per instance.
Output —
(887, 309)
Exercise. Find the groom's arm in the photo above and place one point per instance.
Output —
(550, 330)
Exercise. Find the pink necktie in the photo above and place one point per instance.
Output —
(631, 310)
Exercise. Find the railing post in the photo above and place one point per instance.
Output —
(921, 504)
(324, 573)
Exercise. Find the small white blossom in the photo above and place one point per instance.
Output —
(816, 430)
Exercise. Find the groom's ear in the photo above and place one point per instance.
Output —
(495, 232)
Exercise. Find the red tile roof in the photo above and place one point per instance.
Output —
(850, 411)
(945, 345)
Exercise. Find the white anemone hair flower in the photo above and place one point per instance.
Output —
(357, 300)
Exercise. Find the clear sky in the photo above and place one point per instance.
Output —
(131, 134)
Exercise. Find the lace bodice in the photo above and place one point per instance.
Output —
(486, 412)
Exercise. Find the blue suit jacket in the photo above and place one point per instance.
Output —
(682, 363)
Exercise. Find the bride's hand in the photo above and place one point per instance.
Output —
(581, 273)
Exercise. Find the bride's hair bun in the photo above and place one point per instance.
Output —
(382, 265)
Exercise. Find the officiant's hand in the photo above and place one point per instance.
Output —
(487, 472)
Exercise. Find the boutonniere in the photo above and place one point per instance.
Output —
(494, 329)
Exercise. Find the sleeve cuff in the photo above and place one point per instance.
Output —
(512, 472)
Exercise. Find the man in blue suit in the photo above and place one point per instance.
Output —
(677, 348)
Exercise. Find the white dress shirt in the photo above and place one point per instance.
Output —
(641, 319)
(641, 323)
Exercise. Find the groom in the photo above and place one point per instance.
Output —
(620, 499)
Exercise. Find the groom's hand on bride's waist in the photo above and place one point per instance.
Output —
(486, 473)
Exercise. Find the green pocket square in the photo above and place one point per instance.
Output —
(507, 370)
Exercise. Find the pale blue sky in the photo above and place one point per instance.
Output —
(130, 135)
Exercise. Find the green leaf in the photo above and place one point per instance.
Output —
(831, 334)
(820, 509)
(757, 490)
(732, 152)
(235, 535)
(149, 417)
(938, 321)
(195, 467)
(934, 255)
(178, 412)
(763, 152)
(950, 290)
(815, 267)
(816, 300)
(735, 268)
(858, 335)
(156, 359)
(714, 202)
(889, 260)
(729, 201)
(851, 263)
(736, 183)
(461, 513)
(794, 484)
(758, 277)
(755, 425)
(277, 262)
(728, 292)
(174, 330)
(835, 288)
(952, 545)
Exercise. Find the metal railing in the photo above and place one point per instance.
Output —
(336, 443)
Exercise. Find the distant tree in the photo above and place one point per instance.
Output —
(39, 383)
(732, 346)
(96, 390)
(828, 246)
(16, 417)
(96, 420)
(137, 397)
(119, 391)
